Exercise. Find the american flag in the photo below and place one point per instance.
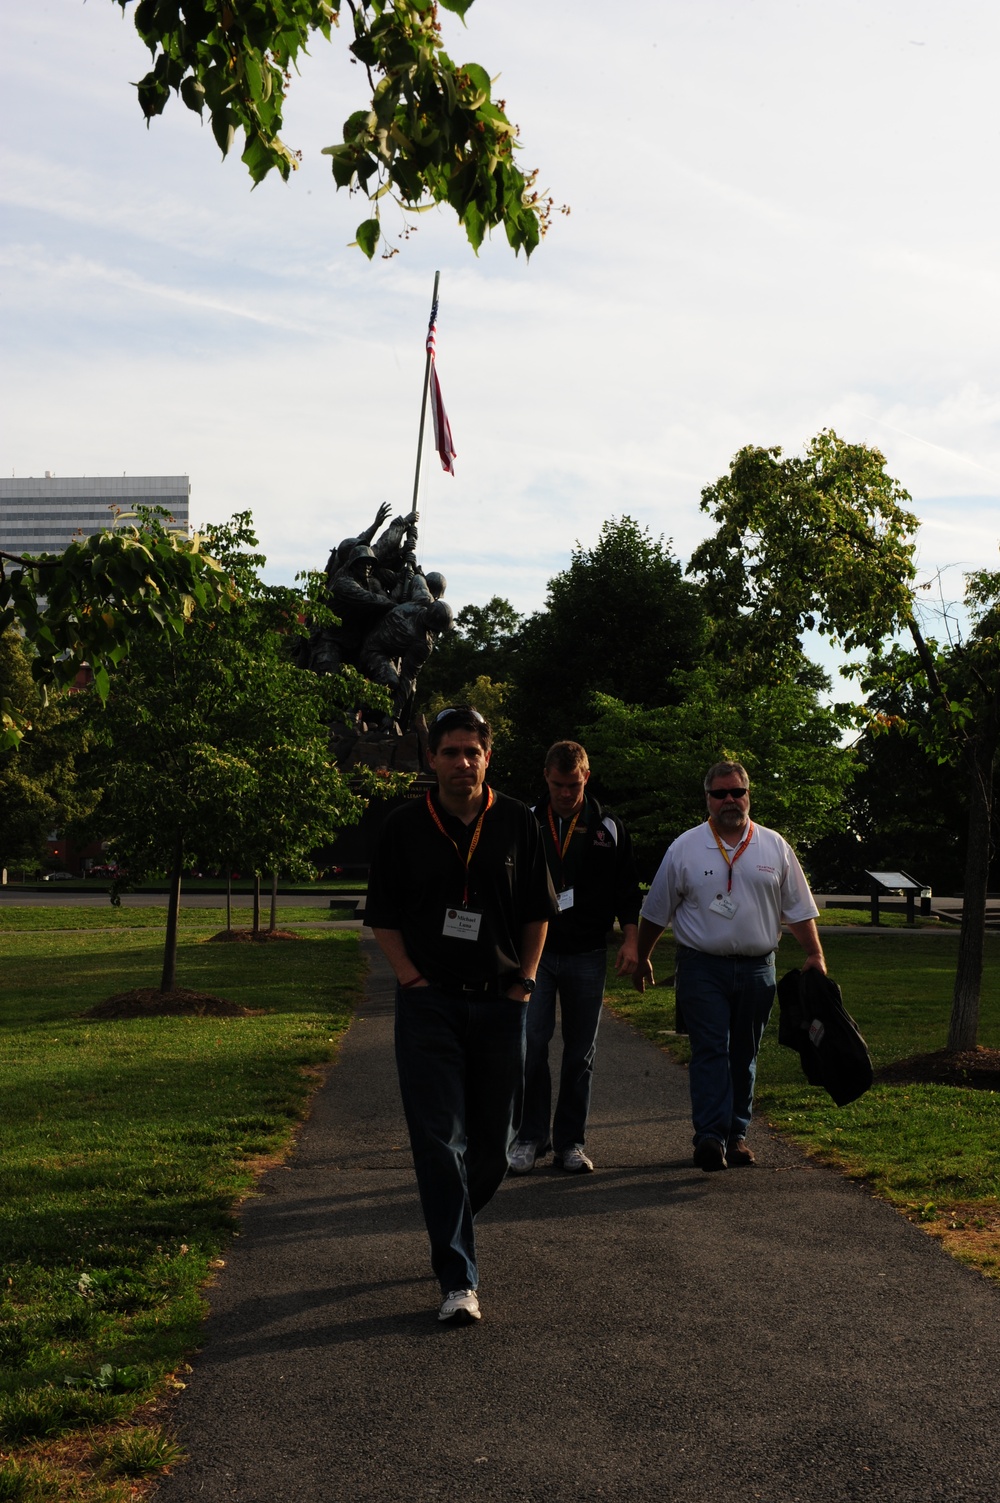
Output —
(442, 428)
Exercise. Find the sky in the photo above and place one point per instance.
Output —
(783, 217)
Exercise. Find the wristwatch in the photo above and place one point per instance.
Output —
(525, 983)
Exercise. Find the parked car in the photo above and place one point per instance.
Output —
(107, 872)
(58, 877)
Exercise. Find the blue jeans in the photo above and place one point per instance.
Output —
(579, 982)
(460, 1065)
(726, 1001)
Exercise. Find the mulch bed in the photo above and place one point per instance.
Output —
(975, 1069)
(147, 1002)
(248, 937)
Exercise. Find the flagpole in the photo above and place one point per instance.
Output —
(423, 403)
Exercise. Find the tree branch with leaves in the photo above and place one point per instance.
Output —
(88, 603)
(826, 541)
(214, 748)
(431, 132)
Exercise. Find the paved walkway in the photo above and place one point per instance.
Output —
(649, 1332)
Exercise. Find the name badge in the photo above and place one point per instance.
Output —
(723, 906)
(462, 923)
(565, 899)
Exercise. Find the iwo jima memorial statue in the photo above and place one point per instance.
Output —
(389, 612)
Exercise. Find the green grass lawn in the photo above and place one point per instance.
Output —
(102, 916)
(839, 917)
(124, 1147)
(927, 1148)
(101, 885)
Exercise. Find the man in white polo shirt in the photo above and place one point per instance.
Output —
(726, 887)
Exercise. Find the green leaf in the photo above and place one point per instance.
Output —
(480, 80)
(458, 6)
(260, 158)
(193, 94)
(224, 129)
(368, 236)
(365, 166)
(355, 125)
(254, 77)
(496, 117)
(475, 225)
(342, 162)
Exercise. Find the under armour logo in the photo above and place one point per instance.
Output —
(709, 874)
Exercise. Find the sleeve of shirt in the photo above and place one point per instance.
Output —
(383, 902)
(797, 902)
(662, 897)
(628, 898)
(538, 896)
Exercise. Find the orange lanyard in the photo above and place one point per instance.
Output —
(561, 850)
(732, 860)
(465, 860)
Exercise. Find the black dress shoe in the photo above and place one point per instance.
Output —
(710, 1155)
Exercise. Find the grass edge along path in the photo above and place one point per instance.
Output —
(125, 1150)
(71, 917)
(928, 1150)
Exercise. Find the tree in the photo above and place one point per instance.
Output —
(474, 664)
(960, 726)
(620, 621)
(38, 782)
(825, 541)
(219, 745)
(787, 741)
(87, 604)
(431, 133)
(483, 643)
(905, 810)
(490, 699)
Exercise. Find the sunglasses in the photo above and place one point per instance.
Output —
(726, 792)
(459, 710)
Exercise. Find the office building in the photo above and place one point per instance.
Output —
(43, 516)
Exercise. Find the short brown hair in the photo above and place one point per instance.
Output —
(567, 756)
(726, 770)
(458, 718)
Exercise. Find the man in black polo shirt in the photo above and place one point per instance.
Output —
(593, 869)
(459, 900)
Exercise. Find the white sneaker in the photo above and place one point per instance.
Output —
(461, 1306)
(575, 1161)
(522, 1158)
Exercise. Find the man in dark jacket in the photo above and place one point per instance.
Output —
(458, 901)
(593, 870)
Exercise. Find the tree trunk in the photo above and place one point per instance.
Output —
(168, 980)
(229, 901)
(256, 905)
(964, 1028)
(274, 903)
